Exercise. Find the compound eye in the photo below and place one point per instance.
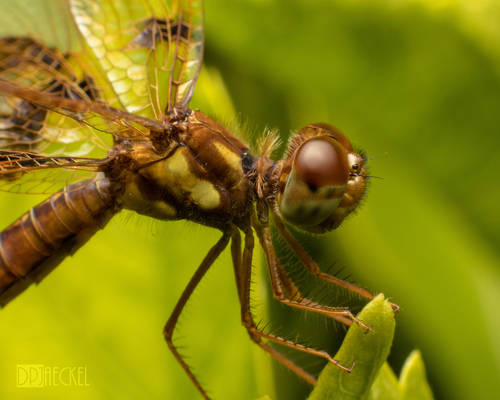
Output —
(322, 162)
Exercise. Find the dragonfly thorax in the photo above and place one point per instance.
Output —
(201, 176)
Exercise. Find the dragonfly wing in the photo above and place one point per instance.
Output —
(43, 181)
(29, 127)
(189, 54)
(42, 147)
(150, 51)
(33, 173)
(14, 162)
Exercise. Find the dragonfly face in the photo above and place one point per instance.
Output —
(133, 81)
(325, 180)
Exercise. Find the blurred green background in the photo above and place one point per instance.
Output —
(416, 85)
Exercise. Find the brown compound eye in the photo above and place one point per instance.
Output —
(322, 162)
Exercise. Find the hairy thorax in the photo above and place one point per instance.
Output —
(203, 175)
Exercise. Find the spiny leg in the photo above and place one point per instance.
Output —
(243, 274)
(292, 292)
(292, 296)
(168, 331)
(312, 266)
(295, 299)
(257, 334)
(254, 330)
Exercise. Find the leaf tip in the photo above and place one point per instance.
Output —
(413, 378)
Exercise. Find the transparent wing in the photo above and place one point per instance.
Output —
(33, 137)
(15, 162)
(150, 50)
(50, 105)
(188, 55)
(30, 127)
(24, 172)
(44, 126)
(43, 181)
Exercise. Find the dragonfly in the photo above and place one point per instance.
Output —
(131, 81)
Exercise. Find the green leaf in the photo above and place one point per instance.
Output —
(411, 386)
(372, 378)
(413, 382)
(366, 351)
(386, 386)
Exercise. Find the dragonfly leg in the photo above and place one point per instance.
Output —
(244, 266)
(243, 279)
(285, 293)
(295, 299)
(257, 334)
(168, 331)
(312, 266)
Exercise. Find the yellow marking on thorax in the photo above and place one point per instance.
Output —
(233, 160)
(175, 174)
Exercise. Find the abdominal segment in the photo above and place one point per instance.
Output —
(38, 241)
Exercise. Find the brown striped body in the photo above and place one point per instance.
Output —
(203, 178)
(38, 241)
(204, 175)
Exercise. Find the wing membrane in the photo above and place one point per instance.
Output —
(33, 137)
(150, 51)
(189, 54)
(12, 162)
(25, 125)
(24, 172)
(43, 181)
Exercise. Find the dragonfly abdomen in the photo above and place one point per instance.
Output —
(38, 241)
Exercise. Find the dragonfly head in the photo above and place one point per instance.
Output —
(323, 179)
